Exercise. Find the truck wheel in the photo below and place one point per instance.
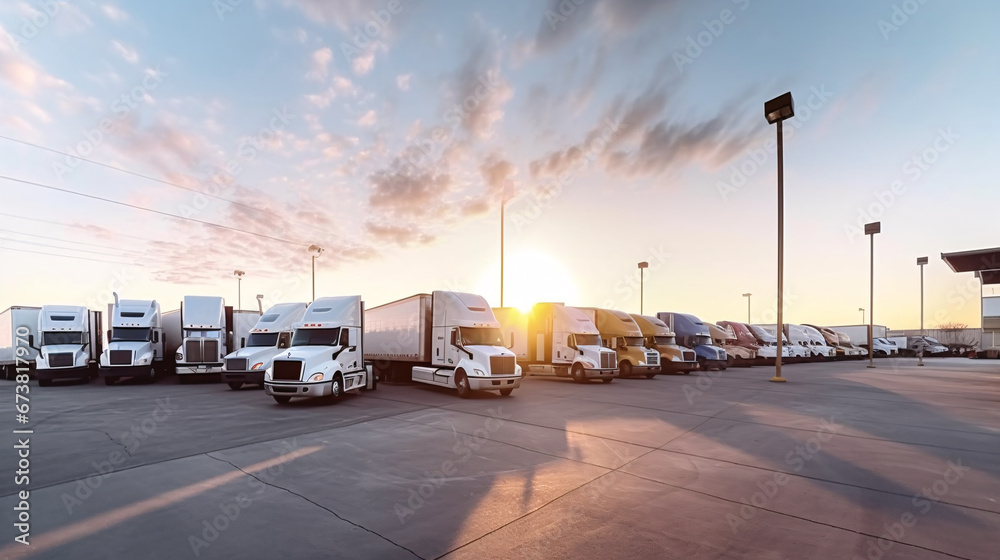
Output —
(625, 369)
(235, 385)
(651, 375)
(506, 392)
(730, 360)
(281, 399)
(702, 364)
(577, 374)
(109, 381)
(462, 383)
(608, 379)
(337, 388)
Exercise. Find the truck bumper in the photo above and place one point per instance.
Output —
(494, 383)
(48, 374)
(298, 389)
(243, 377)
(718, 364)
(117, 372)
(198, 369)
(678, 367)
(600, 373)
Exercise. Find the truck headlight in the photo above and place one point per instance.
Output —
(178, 356)
(316, 377)
(145, 359)
(478, 372)
(257, 365)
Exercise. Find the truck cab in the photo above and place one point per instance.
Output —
(768, 345)
(326, 356)
(817, 342)
(135, 341)
(269, 336)
(746, 339)
(694, 334)
(674, 358)
(620, 333)
(883, 347)
(797, 351)
(557, 340)
(204, 336)
(69, 342)
(725, 338)
(849, 348)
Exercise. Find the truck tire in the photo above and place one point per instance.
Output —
(462, 384)
(608, 379)
(235, 385)
(109, 381)
(281, 399)
(651, 375)
(506, 392)
(337, 388)
(577, 374)
(625, 369)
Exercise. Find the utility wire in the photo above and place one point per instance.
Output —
(35, 243)
(136, 207)
(69, 241)
(147, 177)
(64, 224)
(64, 256)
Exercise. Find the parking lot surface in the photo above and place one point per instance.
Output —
(840, 462)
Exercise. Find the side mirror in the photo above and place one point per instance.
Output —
(156, 337)
(511, 345)
(454, 339)
(243, 342)
(621, 344)
(31, 341)
(571, 341)
(109, 335)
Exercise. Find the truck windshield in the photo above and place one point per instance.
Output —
(702, 339)
(194, 333)
(63, 337)
(123, 334)
(262, 339)
(932, 340)
(482, 336)
(665, 339)
(588, 340)
(633, 340)
(316, 337)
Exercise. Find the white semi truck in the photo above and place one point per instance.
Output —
(553, 339)
(209, 331)
(16, 324)
(326, 358)
(448, 339)
(69, 343)
(269, 337)
(134, 342)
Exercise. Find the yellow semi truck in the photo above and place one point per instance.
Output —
(673, 357)
(620, 333)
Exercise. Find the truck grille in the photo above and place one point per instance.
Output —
(61, 359)
(609, 360)
(287, 370)
(120, 357)
(653, 359)
(210, 350)
(236, 364)
(502, 365)
(192, 351)
(687, 356)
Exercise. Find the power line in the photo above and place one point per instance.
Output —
(247, 206)
(64, 256)
(35, 243)
(64, 224)
(69, 241)
(127, 205)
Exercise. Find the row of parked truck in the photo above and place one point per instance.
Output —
(449, 339)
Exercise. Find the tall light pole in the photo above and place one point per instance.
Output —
(239, 288)
(317, 250)
(776, 111)
(862, 310)
(503, 203)
(870, 230)
(642, 267)
(747, 295)
(921, 261)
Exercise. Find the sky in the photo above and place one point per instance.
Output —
(231, 135)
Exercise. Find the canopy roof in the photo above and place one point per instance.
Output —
(984, 262)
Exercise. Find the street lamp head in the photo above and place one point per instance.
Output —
(644, 264)
(873, 228)
(238, 273)
(861, 309)
(779, 108)
(921, 260)
(748, 294)
(315, 249)
(260, 296)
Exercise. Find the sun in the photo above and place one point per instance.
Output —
(530, 277)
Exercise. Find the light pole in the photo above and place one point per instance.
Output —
(921, 261)
(239, 288)
(862, 310)
(870, 230)
(776, 111)
(747, 295)
(642, 267)
(503, 203)
(318, 251)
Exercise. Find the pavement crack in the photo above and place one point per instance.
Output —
(321, 506)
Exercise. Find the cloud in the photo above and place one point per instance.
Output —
(480, 92)
(126, 52)
(368, 119)
(319, 64)
(344, 85)
(408, 194)
(22, 73)
(563, 20)
(364, 62)
(341, 13)
(403, 81)
(395, 234)
(114, 13)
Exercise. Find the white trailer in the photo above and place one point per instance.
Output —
(553, 339)
(326, 358)
(859, 333)
(69, 343)
(448, 339)
(134, 341)
(270, 335)
(16, 324)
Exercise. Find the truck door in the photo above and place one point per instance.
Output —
(349, 341)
